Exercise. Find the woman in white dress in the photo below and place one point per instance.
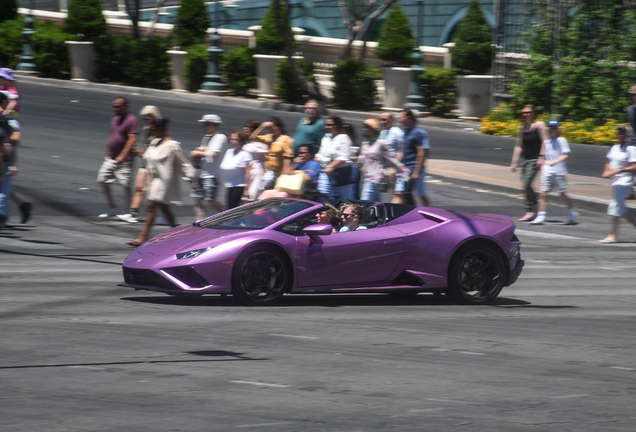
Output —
(163, 159)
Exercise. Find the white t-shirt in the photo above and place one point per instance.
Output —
(233, 167)
(335, 149)
(621, 157)
(554, 149)
(209, 165)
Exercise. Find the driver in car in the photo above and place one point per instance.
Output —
(351, 217)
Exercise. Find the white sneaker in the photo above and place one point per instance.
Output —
(108, 213)
(539, 220)
(573, 216)
(127, 218)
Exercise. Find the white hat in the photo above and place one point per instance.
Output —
(211, 118)
(9, 95)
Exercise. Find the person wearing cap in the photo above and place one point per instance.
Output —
(620, 167)
(375, 156)
(208, 156)
(416, 150)
(528, 155)
(117, 165)
(554, 172)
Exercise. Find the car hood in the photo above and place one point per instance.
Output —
(187, 238)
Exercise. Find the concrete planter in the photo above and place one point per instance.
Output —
(82, 56)
(266, 71)
(396, 87)
(474, 95)
(177, 77)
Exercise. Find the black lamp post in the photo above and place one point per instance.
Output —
(415, 101)
(27, 61)
(212, 80)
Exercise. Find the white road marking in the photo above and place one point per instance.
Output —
(260, 384)
(459, 352)
(569, 396)
(294, 336)
(453, 401)
(622, 368)
(546, 235)
(263, 424)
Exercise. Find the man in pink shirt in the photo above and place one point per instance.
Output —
(117, 165)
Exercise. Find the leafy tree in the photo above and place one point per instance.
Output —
(8, 10)
(85, 18)
(11, 46)
(396, 40)
(473, 51)
(358, 16)
(269, 39)
(192, 23)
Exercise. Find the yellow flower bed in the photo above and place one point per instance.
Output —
(499, 122)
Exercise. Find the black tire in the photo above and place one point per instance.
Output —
(260, 276)
(476, 275)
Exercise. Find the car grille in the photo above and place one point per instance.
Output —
(147, 278)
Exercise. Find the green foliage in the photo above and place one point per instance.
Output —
(8, 10)
(396, 40)
(268, 39)
(286, 86)
(192, 23)
(439, 89)
(132, 61)
(50, 51)
(196, 66)
(85, 19)
(355, 86)
(473, 51)
(238, 69)
(11, 46)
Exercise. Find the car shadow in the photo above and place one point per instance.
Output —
(323, 300)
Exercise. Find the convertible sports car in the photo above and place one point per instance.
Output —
(260, 251)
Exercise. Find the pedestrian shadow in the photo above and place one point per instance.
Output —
(324, 300)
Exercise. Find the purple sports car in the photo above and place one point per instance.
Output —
(260, 251)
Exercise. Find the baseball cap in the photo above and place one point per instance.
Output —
(7, 73)
(554, 123)
(8, 95)
(621, 129)
(373, 124)
(211, 118)
(632, 90)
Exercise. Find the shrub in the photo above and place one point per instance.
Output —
(111, 58)
(8, 10)
(286, 86)
(355, 86)
(196, 66)
(11, 46)
(268, 38)
(50, 51)
(85, 19)
(473, 51)
(396, 40)
(439, 89)
(239, 70)
(192, 23)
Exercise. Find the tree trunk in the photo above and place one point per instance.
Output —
(151, 25)
(132, 9)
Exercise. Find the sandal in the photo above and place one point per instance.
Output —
(134, 243)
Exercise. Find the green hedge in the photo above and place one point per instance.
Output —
(396, 40)
(239, 70)
(286, 86)
(8, 10)
(50, 51)
(439, 89)
(11, 46)
(355, 86)
(196, 66)
(192, 23)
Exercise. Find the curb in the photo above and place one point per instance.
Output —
(237, 102)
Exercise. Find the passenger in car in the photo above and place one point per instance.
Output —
(351, 217)
(329, 216)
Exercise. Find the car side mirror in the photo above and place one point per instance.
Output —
(317, 230)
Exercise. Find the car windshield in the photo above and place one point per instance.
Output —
(254, 216)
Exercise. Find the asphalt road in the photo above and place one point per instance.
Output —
(78, 353)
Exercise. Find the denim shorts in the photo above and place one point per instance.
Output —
(207, 187)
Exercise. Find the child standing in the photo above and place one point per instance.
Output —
(554, 172)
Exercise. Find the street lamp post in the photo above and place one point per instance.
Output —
(212, 81)
(415, 101)
(27, 61)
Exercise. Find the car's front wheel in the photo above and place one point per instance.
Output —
(261, 276)
(476, 275)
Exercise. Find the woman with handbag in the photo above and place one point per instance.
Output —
(335, 158)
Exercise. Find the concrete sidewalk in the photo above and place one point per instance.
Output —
(591, 193)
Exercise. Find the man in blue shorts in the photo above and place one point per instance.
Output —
(416, 151)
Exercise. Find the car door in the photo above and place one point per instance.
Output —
(349, 258)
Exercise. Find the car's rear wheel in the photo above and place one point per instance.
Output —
(476, 275)
(260, 277)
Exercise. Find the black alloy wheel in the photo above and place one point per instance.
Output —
(477, 274)
(261, 277)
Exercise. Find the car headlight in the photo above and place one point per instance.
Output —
(193, 253)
